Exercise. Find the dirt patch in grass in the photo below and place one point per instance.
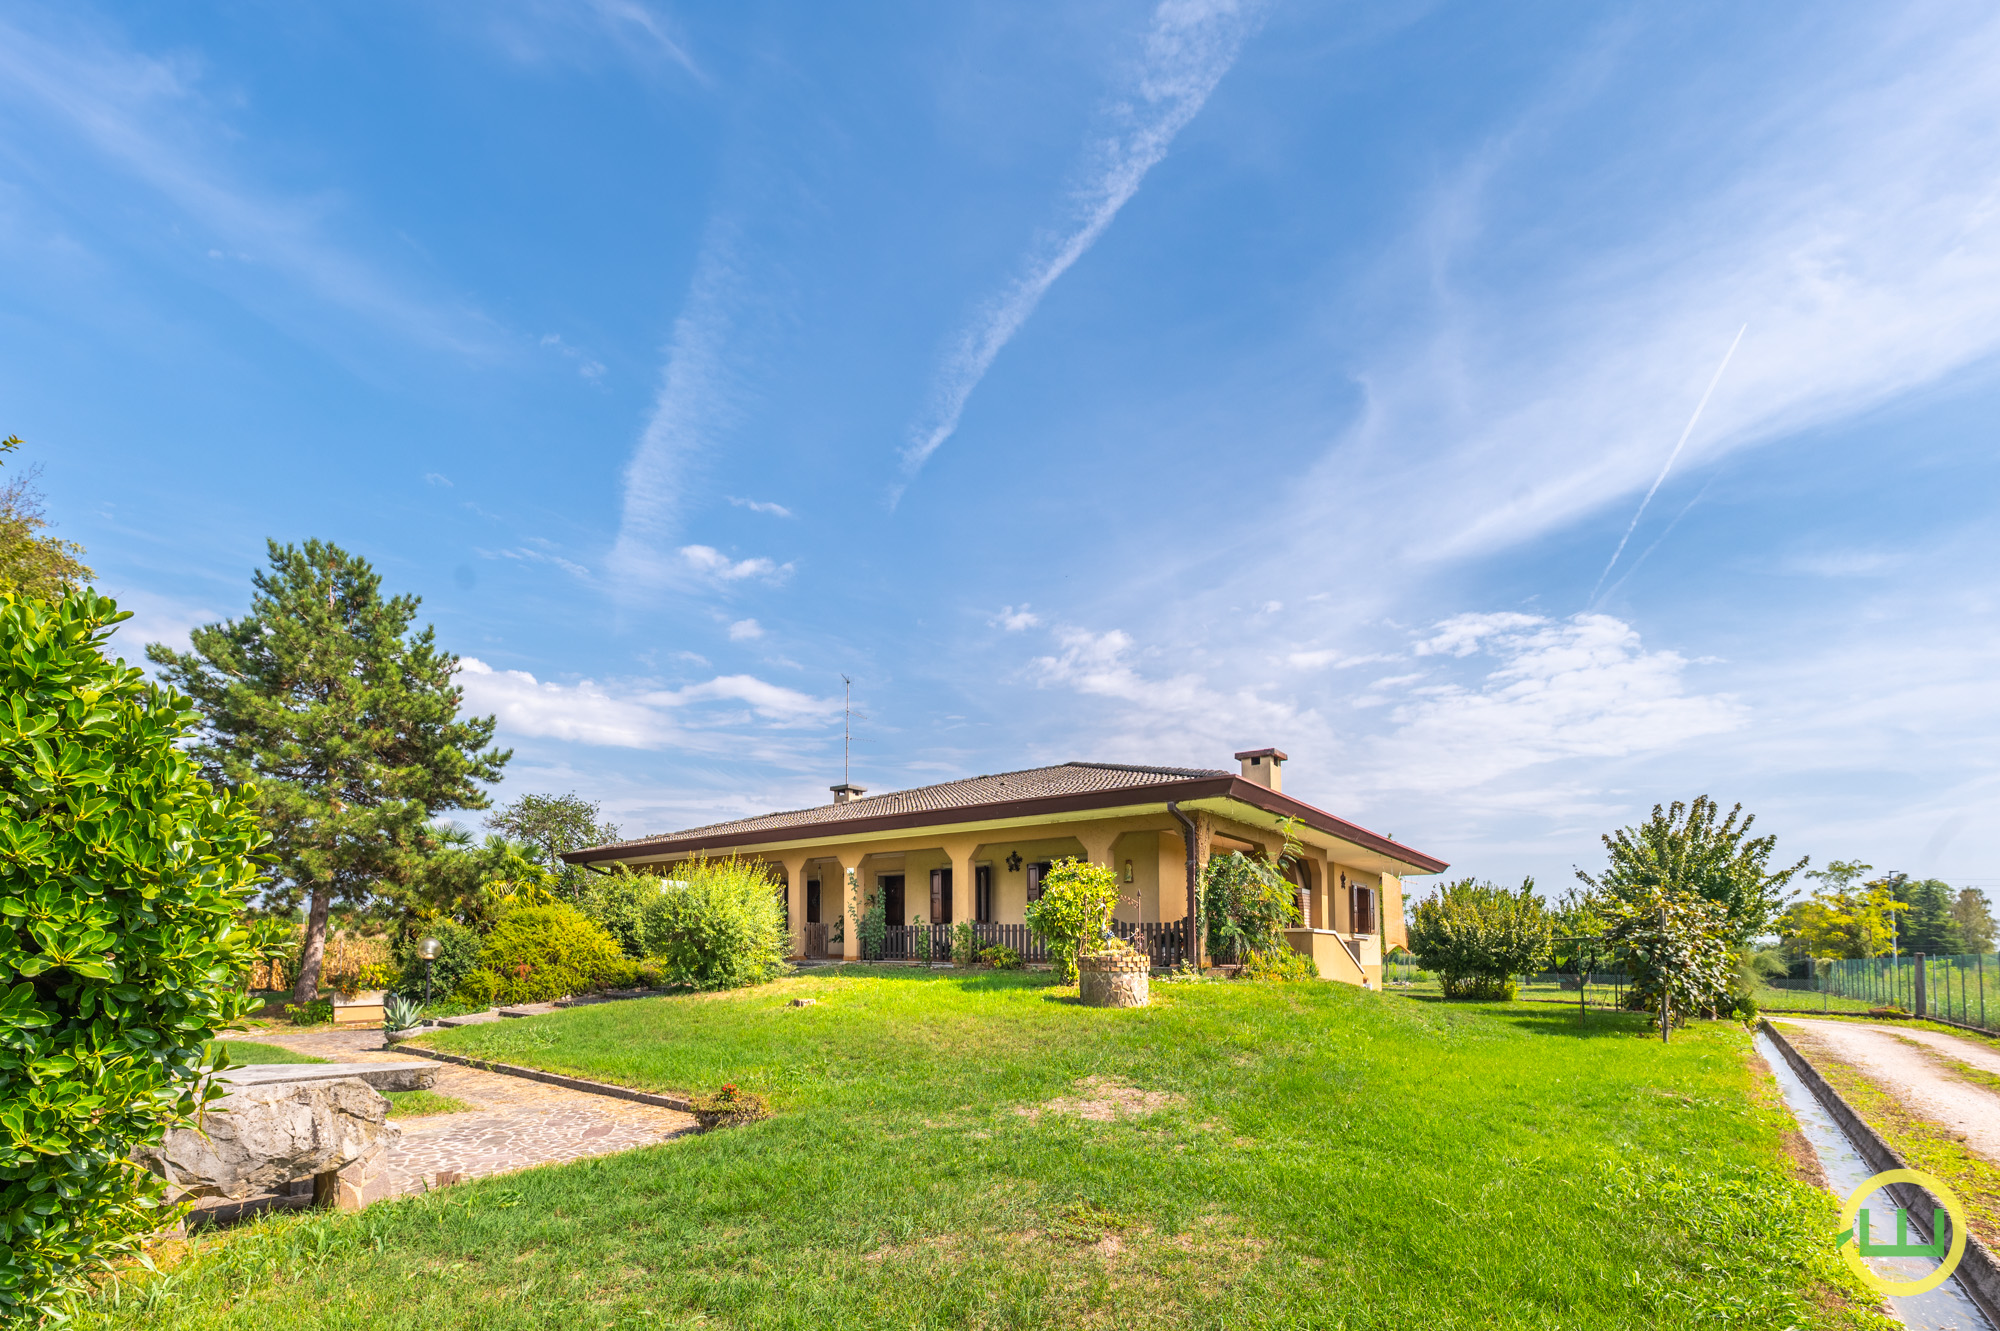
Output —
(1102, 1100)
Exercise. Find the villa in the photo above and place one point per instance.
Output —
(975, 850)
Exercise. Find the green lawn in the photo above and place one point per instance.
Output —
(1314, 1155)
(421, 1104)
(252, 1051)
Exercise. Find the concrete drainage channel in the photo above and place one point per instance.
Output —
(1850, 1154)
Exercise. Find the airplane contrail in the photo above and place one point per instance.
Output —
(1657, 480)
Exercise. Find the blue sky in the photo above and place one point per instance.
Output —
(1125, 381)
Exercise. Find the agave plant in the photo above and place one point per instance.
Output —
(400, 1013)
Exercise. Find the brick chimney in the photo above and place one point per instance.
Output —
(1264, 766)
(846, 791)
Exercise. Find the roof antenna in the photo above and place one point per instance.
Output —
(846, 730)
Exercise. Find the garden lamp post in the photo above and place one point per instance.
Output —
(428, 950)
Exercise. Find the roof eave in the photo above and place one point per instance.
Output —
(1227, 787)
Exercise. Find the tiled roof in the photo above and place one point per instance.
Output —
(970, 793)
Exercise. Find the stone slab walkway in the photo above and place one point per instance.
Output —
(513, 1124)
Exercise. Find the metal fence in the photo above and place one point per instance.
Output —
(1949, 988)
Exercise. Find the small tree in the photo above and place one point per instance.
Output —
(1478, 937)
(717, 925)
(1075, 909)
(1847, 920)
(341, 724)
(1693, 850)
(555, 825)
(123, 875)
(1974, 914)
(33, 565)
(1679, 951)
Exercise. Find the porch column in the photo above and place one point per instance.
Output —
(964, 902)
(795, 899)
(1097, 844)
(849, 897)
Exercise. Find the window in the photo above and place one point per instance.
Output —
(1036, 872)
(812, 901)
(1363, 908)
(982, 893)
(940, 896)
(1300, 877)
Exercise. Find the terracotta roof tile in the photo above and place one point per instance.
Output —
(969, 793)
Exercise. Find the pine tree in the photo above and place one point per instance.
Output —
(1929, 927)
(340, 724)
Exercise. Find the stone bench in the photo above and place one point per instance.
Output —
(404, 1075)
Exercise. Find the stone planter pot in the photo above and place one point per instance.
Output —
(1114, 979)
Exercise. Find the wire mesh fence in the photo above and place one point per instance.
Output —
(1948, 988)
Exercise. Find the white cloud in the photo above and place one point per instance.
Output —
(695, 404)
(1848, 219)
(437, 478)
(1178, 717)
(762, 506)
(1322, 657)
(743, 630)
(1190, 46)
(1014, 621)
(1462, 635)
(706, 559)
(162, 619)
(637, 716)
(524, 554)
(1577, 688)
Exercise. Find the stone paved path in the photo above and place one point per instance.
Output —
(514, 1123)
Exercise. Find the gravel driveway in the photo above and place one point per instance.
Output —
(1909, 1065)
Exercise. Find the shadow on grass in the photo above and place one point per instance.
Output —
(1548, 1018)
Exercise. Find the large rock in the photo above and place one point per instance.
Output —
(257, 1138)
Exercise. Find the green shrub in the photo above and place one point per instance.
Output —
(477, 990)
(871, 925)
(964, 943)
(458, 955)
(1482, 988)
(1246, 905)
(123, 877)
(617, 902)
(319, 1012)
(718, 925)
(1477, 937)
(1284, 963)
(1075, 908)
(1001, 958)
(536, 953)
